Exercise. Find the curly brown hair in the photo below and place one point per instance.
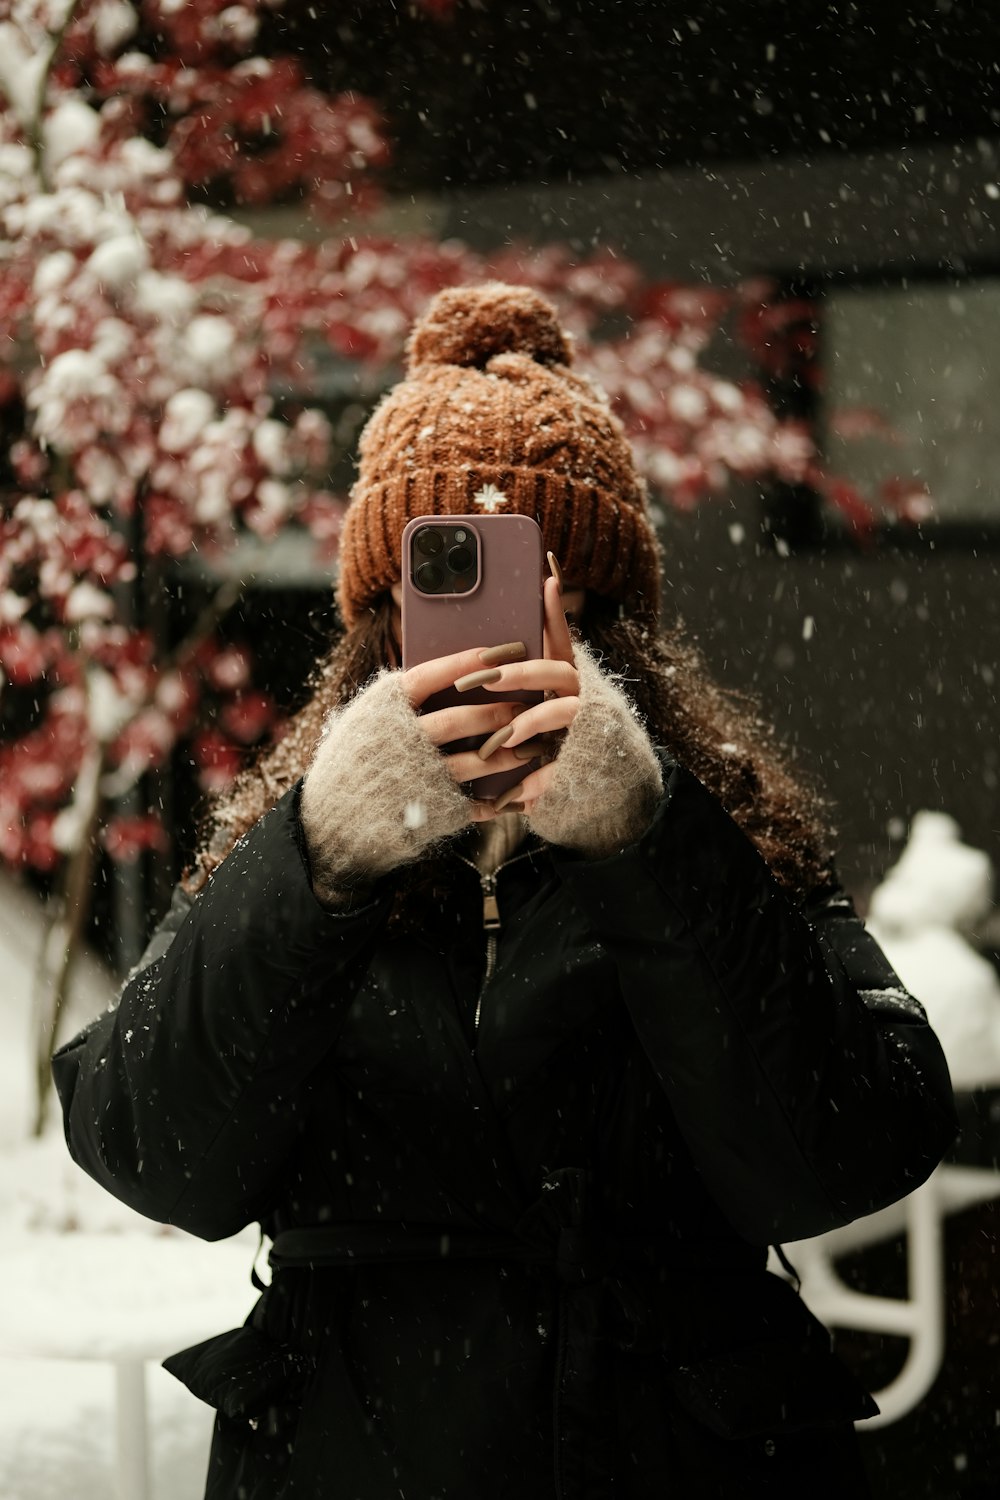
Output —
(717, 734)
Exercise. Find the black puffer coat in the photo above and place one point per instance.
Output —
(524, 1259)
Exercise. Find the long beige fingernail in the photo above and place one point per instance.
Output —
(511, 651)
(529, 750)
(500, 737)
(556, 571)
(476, 679)
(512, 794)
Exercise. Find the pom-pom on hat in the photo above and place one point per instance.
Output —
(491, 418)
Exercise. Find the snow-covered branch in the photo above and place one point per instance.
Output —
(29, 47)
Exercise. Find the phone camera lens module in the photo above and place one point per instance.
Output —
(460, 559)
(429, 577)
(429, 541)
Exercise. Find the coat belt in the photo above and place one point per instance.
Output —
(348, 1245)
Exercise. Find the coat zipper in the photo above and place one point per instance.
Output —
(491, 924)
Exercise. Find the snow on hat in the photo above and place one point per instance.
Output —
(490, 417)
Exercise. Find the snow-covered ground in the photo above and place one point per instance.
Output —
(84, 1276)
(56, 1433)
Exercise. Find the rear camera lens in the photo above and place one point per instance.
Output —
(429, 577)
(429, 541)
(460, 559)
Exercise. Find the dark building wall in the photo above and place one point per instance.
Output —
(892, 698)
(887, 211)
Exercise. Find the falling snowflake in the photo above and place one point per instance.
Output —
(414, 815)
(490, 498)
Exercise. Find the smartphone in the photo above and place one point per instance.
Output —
(472, 581)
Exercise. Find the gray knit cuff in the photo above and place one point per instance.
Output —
(378, 794)
(607, 778)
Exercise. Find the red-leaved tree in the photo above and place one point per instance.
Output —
(142, 339)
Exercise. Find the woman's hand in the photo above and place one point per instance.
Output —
(601, 780)
(534, 730)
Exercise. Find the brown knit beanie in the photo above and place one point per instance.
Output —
(490, 417)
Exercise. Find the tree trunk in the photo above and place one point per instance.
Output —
(63, 935)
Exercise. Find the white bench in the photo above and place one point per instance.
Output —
(125, 1300)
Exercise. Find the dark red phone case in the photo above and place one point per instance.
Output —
(505, 605)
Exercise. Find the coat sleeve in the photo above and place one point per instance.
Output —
(183, 1101)
(806, 1082)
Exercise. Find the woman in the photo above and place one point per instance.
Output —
(520, 1179)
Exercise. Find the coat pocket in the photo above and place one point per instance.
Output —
(246, 1376)
(773, 1387)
